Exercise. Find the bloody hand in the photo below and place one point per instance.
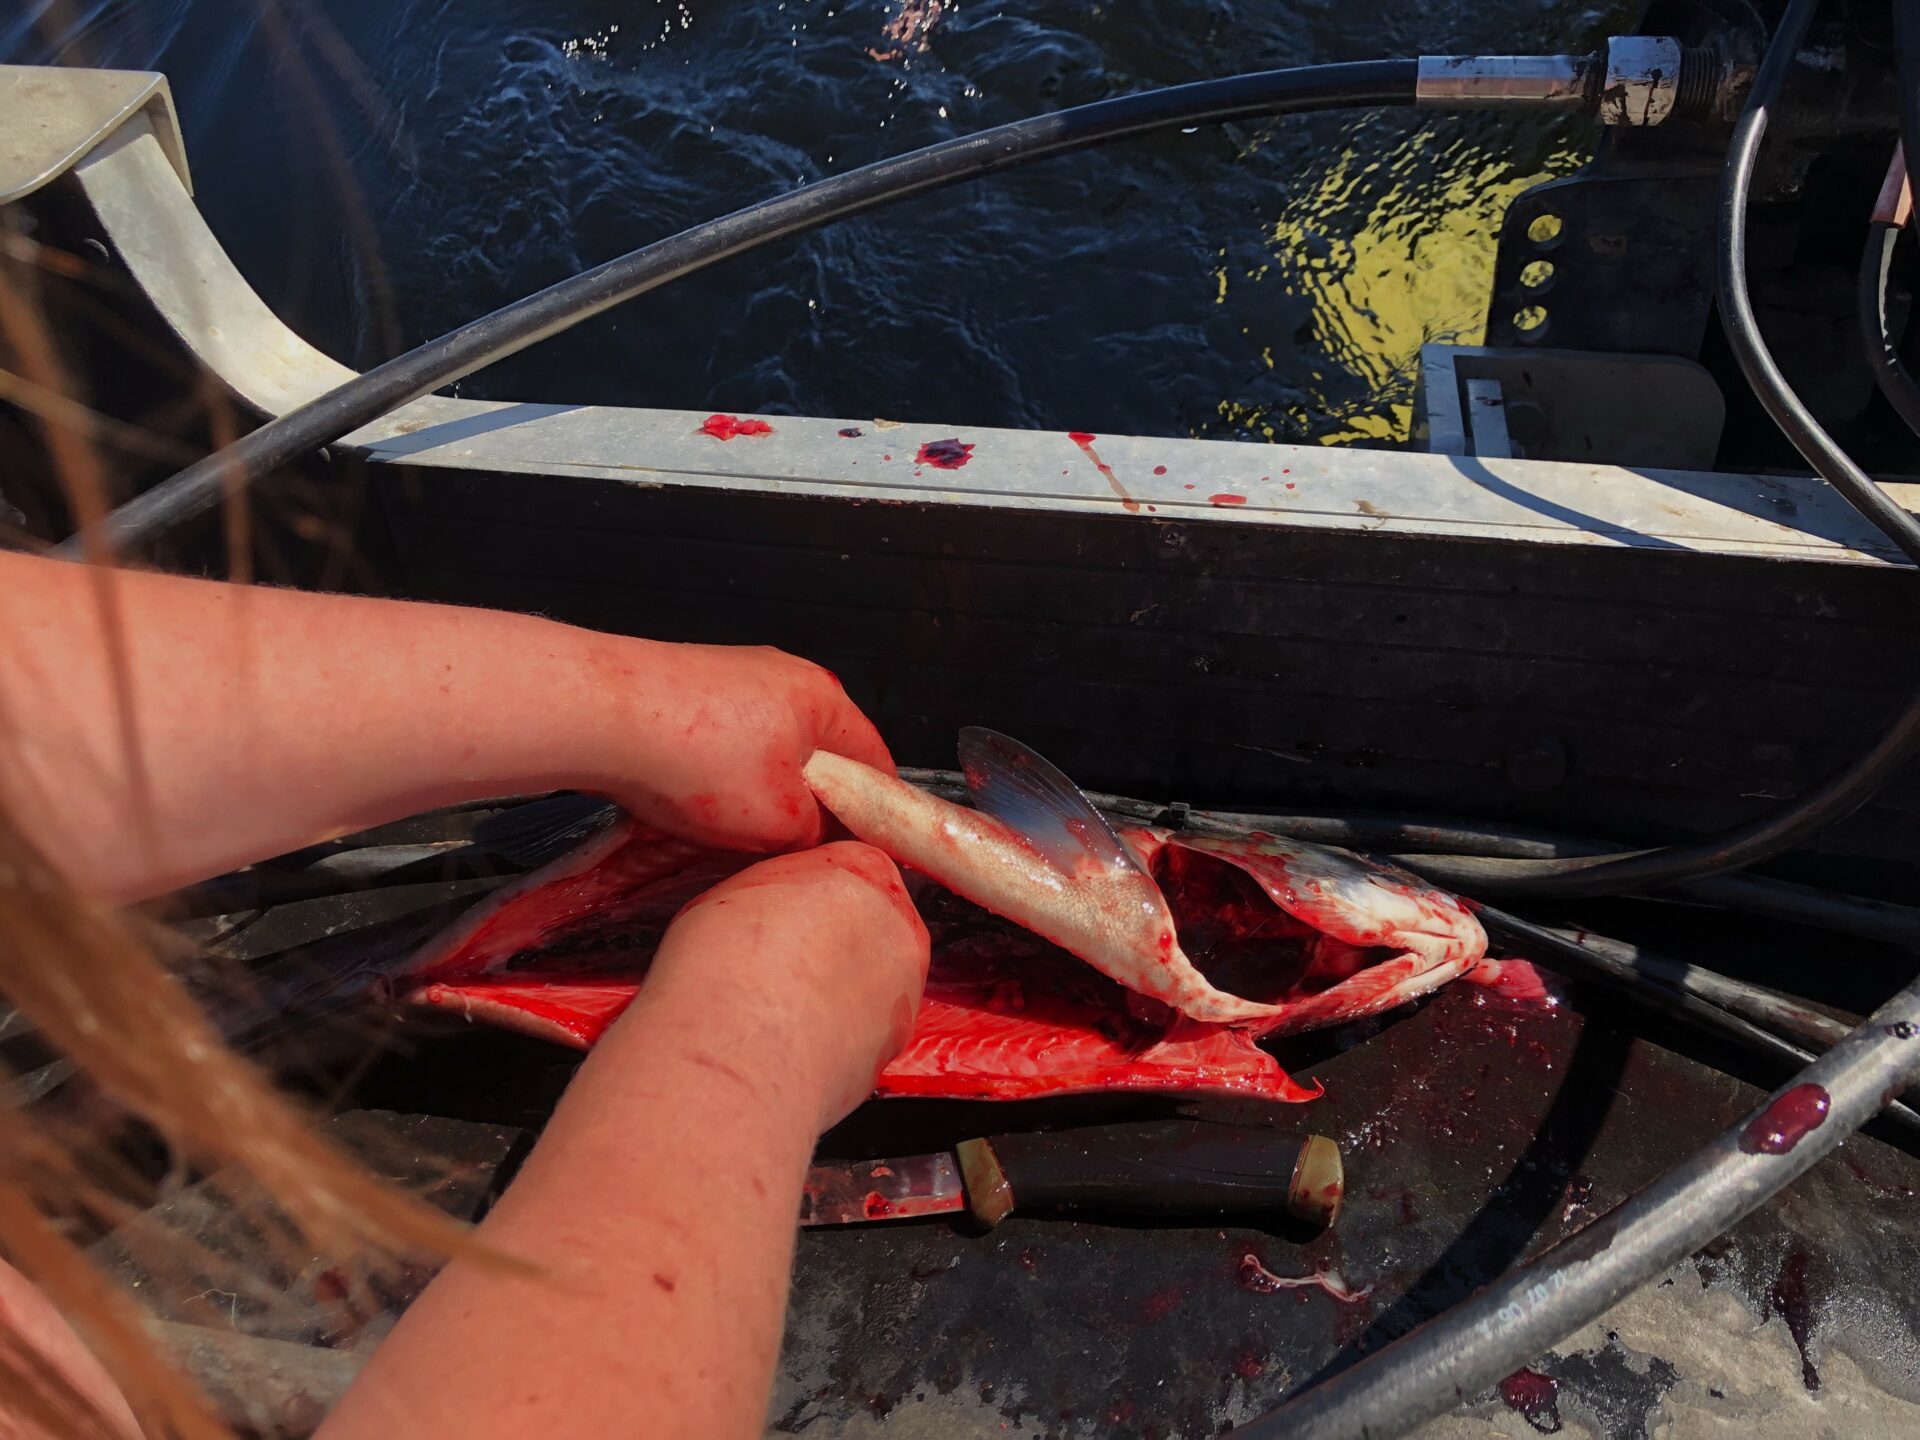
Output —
(712, 737)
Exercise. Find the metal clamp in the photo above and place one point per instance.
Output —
(1642, 80)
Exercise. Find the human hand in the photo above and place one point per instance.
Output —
(711, 739)
(820, 954)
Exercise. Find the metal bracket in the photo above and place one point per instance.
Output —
(1651, 411)
(1642, 81)
(57, 116)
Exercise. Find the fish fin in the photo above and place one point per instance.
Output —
(1029, 795)
(532, 834)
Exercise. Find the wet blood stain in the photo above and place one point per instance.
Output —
(725, 427)
(1085, 442)
(852, 432)
(1787, 1297)
(1226, 498)
(1535, 1396)
(1159, 469)
(943, 454)
(876, 1206)
(1786, 1122)
(1162, 1303)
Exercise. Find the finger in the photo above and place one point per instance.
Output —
(850, 733)
(839, 725)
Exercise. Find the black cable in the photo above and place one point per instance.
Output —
(439, 362)
(1468, 1350)
(1881, 348)
(1845, 791)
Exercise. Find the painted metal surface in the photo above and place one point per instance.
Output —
(51, 117)
(195, 287)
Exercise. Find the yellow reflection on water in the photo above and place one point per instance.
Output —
(1392, 250)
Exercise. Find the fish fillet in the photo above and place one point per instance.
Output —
(1090, 902)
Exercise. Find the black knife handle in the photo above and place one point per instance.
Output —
(1155, 1168)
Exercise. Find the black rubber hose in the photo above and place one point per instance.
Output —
(1845, 791)
(1880, 347)
(1479, 1342)
(439, 362)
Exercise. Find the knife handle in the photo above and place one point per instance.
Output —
(1154, 1168)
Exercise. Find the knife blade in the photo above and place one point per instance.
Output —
(1164, 1168)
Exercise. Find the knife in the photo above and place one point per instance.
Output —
(1163, 1168)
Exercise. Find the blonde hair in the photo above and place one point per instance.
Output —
(91, 980)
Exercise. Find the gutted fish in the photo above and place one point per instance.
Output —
(1037, 853)
(1381, 936)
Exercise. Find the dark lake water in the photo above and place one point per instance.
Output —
(384, 169)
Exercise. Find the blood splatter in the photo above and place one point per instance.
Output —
(1159, 469)
(1162, 1303)
(852, 432)
(1535, 1396)
(725, 427)
(1250, 1363)
(876, 1206)
(944, 454)
(1787, 1121)
(1788, 1298)
(1085, 442)
(1226, 497)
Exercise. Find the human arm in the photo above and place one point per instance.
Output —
(158, 730)
(660, 1204)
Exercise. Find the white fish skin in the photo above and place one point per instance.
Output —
(1110, 915)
